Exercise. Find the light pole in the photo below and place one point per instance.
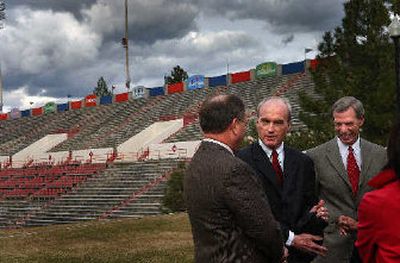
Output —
(2, 17)
(394, 32)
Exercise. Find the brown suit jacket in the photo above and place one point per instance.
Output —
(229, 212)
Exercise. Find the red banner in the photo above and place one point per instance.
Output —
(3, 116)
(174, 88)
(90, 100)
(122, 97)
(37, 111)
(313, 64)
(76, 105)
(240, 77)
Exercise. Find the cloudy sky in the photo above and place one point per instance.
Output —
(53, 48)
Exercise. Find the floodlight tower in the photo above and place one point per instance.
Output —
(125, 43)
(2, 17)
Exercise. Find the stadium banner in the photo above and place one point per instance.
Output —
(138, 92)
(240, 77)
(50, 107)
(106, 100)
(37, 111)
(76, 104)
(217, 81)
(313, 64)
(15, 113)
(292, 68)
(90, 100)
(267, 69)
(25, 113)
(156, 91)
(62, 107)
(3, 116)
(176, 87)
(122, 97)
(195, 82)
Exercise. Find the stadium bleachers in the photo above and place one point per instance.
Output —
(77, 191)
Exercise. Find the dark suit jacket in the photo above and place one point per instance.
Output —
(229, 213)
(292, 202)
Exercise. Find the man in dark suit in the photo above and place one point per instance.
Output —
(343, 167)
(288, 179)
(229, 213)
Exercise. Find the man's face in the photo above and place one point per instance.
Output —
(272, 123)
(347, 125)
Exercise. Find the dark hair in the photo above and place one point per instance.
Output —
(393, 150)
(344, 103)
(218, 112)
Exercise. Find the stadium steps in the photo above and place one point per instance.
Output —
(101, 193)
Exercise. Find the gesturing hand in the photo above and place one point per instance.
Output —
(306, 242)
(320, 210)
(346, 224)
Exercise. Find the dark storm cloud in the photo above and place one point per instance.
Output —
(282, 15)
(149, 21)
(72, 6)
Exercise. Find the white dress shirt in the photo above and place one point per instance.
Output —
(344, 152)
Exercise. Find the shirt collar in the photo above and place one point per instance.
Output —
(268, 151)
(219, 143)
(344, 147)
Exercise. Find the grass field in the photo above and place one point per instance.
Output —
(164, 238)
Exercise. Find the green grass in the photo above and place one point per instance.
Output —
(164, 238)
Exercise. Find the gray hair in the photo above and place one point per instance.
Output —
(276, 98)
(344, 103)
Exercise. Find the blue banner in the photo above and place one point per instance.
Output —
(106, 100)
(195, 82)
(62, 107)
(291, 68)
(25, 113)
(217, 81)
(156, 91)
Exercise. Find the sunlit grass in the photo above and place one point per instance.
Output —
(164, 238)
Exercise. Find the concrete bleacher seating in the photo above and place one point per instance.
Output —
(34, 196)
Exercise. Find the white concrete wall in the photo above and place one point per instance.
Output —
(173, 150)
(3, 160)
(38, 149)
(155, 133)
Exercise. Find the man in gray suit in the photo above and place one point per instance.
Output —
(343, 167)
(228, 210)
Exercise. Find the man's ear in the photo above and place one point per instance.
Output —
(234, 126)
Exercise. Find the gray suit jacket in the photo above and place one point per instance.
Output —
(333, 186)
(228, 210)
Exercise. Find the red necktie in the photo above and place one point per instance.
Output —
(277, 168)
(353, 171)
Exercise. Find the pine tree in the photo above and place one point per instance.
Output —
(178, 74)
(102, 89)
(357, 59)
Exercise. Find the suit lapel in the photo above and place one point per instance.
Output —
(264, 166)
(366, 157)
(290, 165)
(336, 161)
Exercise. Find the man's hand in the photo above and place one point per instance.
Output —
(320, 210)
(346, 224)
(306, 242)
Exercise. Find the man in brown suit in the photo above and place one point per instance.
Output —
(229, 212)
